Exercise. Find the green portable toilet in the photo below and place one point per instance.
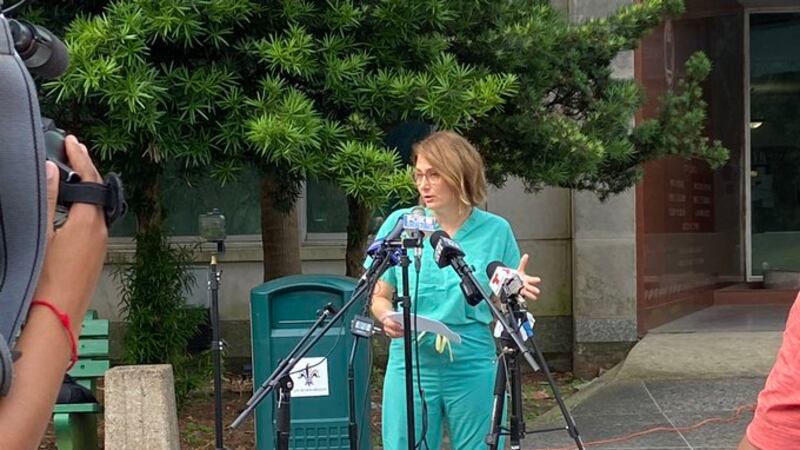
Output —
(281, 312)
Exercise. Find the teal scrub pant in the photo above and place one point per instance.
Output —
(458, 391)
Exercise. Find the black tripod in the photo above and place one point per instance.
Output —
(212, 228)
(363, 322)
(283, 409)
(217, 347)
(449, 253)
(509, 374)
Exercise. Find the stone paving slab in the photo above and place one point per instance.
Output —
(623, 407)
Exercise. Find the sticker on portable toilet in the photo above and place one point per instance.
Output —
(310, 376)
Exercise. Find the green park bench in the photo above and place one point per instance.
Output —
(75, 424)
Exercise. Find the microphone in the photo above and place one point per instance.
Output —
(414, 221)
(411, 225)
(414, 224)
(42, 52)
(504, 282)
(375, 248)
(507, 285)
(447, 252)
(395, 232)
(378, 250)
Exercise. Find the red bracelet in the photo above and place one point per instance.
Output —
(64, 319)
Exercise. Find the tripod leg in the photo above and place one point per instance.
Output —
(351, 396)
(216, 353)
(571, 428)
(493, 438)
(517, 418)
(282, 425)
(283, 421)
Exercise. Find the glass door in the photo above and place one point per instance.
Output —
(774, 130)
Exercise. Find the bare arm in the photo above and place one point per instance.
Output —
(73, 261)
(381, 306)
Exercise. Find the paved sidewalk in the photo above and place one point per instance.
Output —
(628, 406)
(709, 365)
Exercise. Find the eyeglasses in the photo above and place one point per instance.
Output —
(433, 177)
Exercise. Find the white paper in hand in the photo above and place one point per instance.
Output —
(428, 325)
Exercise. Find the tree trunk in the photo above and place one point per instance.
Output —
(357, 235)
(279, 231)
(145, 200)
(150, 215)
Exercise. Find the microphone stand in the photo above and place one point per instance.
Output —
(510, 373)
(415, 240)
(217, 345)
(280, 377)
(405, 300)
(283, 417)
(465, 273)
(351, 378)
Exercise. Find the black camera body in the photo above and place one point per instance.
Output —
(54, 138)
(110, 195)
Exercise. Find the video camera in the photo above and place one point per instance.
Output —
(26, 141)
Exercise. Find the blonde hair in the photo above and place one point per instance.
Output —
(458, 162)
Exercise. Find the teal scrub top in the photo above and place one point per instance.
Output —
(484, 237)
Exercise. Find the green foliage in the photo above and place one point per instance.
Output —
(535, 91)
(152, 84)
(149, 80)
(223, 83)
(159, 323)
(571, 123)
(340, 74)
(305, 89)
(369, 173)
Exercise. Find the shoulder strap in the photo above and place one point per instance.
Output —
(23, 195)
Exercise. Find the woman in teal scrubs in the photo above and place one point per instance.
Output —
(457, 379)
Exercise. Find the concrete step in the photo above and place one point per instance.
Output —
(702, 355)
(754, 294)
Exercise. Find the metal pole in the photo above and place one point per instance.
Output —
(216, 351)
(406, 302)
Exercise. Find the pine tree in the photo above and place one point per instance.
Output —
(309, 90)
(533, 90)
(366, 67)
(149, 85)
(570, 125)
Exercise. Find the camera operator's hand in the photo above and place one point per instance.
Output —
(76, 251)
(73, 261)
